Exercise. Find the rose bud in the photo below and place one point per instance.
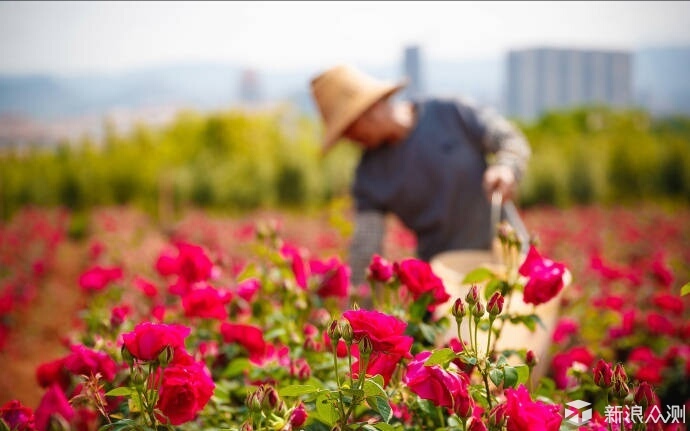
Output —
(346, 332)
(531, 359)
(477, 425)
(246, 426)
(619, 373)
(270, 400)
(495, 304)
(603, 375)
(379, 269)
(334, 332)
(472, 296)
(645, 396)
(254, 399)
(620, 389)
(478, 311)
(497, 416)
(459, 309)
(365, 346)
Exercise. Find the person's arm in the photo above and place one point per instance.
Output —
(504, 141)
(367, 240)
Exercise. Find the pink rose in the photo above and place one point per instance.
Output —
(417, 276)
(443, 388)
(53, 403)
(146, 287)
(148, 340)
(298, 416)
(564, 329)
(190, 264)
(563, 361)
(334, 277)
(526, 415)
(379, 363)
(52, 372)
(248, 289)
(97, 278)
(206, 302)
(185, 389)
(387, 333)
(299, 268)
(545, 277)
(88, 362)
(380, 269)
(248, 336)
(17, 416)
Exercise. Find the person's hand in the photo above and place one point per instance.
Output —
(499, 178)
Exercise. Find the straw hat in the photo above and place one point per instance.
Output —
(342, 94)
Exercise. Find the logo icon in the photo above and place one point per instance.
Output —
(578, 412)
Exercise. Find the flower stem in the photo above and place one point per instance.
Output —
(485, 375)
(337, 380)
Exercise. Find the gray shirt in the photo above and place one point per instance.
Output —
(433, 180)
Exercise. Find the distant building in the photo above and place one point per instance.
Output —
(250, 88)
(412, 71)
(542, 79)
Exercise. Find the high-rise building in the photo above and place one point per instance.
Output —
(413, 72)
(542, 79)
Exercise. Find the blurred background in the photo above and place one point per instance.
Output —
(173, 104)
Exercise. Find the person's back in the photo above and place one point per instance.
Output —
(425, 162)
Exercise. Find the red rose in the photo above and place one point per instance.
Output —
(379, 363)
(98, 278)
(387, 333)
(146, 287)
(298, 416)
(248, 289)
(85, 361)
(333, 275)
(659, 324)
(118, 315)
(565, 328)
(379, 269)
(185, 389)
(148, 340)
(250, 337)
(191, 265)
(299, 268)
(52, 372)
(545, 277)
(526, 415)
(206, 302)
(53, 403)
(443, 388)
(17, 416)
(417, 276)
(562, 362)
(668, 302)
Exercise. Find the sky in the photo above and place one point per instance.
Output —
(68, 38)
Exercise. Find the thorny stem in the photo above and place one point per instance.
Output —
(337, 379)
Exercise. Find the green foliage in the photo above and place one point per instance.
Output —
(599, 155)
(237, 160)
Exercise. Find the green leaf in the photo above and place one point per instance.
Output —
(440, 356)
(478, 275)
(325, 407)
(381, 405)
(373, 389)
(685, 290)
(123, 391)
(502, 361)
(522, 372)
(510, 377)
(496, 376)
(383, 426)
(297, 390)
(237, 367)
(468, 359)
(491, 287)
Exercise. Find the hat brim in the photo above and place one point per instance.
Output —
(359, 107)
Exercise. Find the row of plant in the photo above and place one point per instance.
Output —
(238, 160)
(274, 344)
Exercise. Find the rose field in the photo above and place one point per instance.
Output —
(111, 321)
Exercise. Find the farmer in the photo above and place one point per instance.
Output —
(433, 163)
